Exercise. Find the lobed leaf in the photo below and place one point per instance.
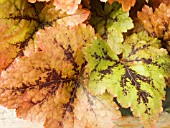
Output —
(33, 1)
(156, 3)
(136, 79)
(45, 83)
(157, 23)
(50, 15)
(69, 6)
(110, 23)
(126, 4)
(19, 22)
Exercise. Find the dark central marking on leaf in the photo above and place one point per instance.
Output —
(68, 107)
(69, 54)
(134, 50)
(28, 18)
(105, 57)
(134, 78)
(107, 71)
(144, 60)
(52, 83)
(23, 44)
(143, 96)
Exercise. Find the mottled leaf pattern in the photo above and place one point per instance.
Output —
(110, 23)
(157, 23)
(55, 69)
(18, 21)
(44, 83)
(136, 79)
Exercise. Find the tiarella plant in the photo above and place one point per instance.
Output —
(73, 63)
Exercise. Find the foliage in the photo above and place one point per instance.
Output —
(157, 23)
(110, 23)
(136, 79)
(65, 62)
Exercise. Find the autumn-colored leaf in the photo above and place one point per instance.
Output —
(33, 1)
(18, 23)
(101, 110)
(157, 23)
(156, 3)
(69, 6)
(136, 79)
(50, 15)
(7, 54)
(86, 3)
(46, 82)
(126, 4)
(110, 23)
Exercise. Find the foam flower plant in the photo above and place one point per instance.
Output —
(65, 62)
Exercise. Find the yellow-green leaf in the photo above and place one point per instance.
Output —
(110, 23)
(136, 78)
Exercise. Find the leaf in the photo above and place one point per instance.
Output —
(156, 3)
(50, 15)
(18, 24)
(110, 23)
(101, 110)
(7, 53)
(126, 4)
(157, 22)
(33, 1)
(69, 6)
(136, 79)
(45, 83)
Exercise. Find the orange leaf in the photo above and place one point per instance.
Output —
(126, 4)
(69, 6)
(157, 23)
(45, 84)
(156, 3)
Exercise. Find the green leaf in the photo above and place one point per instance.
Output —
(18, 21)
(136, 79)
(110, 23)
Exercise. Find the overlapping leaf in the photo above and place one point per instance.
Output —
(126, 4)
(46, 82)
(137, 79)
(101, 110)
(68, 6)
(110, 23)
(157, 23)
(50, 15)
(18, 22)
(156, 3)
(33, 1)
